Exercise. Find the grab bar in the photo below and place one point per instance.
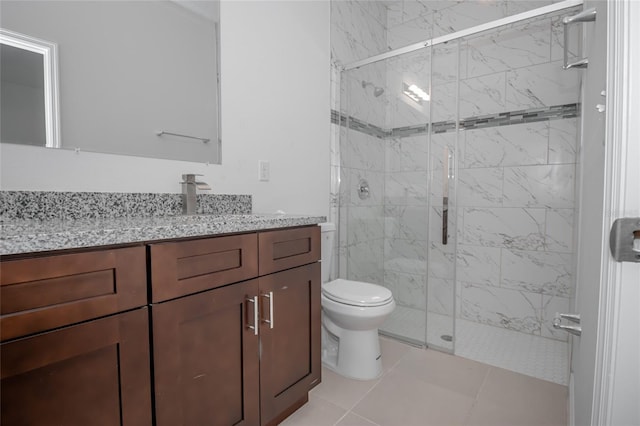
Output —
(588, 15)
(162, 132)
(445, 196)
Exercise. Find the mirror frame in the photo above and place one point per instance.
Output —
(49, 52)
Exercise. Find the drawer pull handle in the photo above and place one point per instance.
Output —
(270, 320)
(254, 327)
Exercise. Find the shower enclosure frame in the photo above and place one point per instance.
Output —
(430, 44)
(556, 7)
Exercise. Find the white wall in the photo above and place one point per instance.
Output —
(275, 100)
(625, 369)
(275, 107)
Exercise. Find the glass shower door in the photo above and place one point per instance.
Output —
(397, 198)
(406, 200)
(361, 192)
(443, 217)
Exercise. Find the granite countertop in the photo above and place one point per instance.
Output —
(26, 236)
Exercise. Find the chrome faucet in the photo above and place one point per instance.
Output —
(189, 187)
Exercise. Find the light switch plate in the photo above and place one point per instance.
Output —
(264, 171)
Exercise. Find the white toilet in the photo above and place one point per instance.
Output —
(352, 312)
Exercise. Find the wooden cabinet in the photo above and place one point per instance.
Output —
(210, 331)
(206, 364)
(290, 364)
(94, 373)
(42, 293)
(186, 267)
(288, 248)
(244, 353)
(59, 364)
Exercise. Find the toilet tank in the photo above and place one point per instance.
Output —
(327, 233)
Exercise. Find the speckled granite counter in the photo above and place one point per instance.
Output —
(25, 236)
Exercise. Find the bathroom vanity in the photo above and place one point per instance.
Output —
(218, 328)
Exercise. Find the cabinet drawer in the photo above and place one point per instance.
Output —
(43, 293)
(285, 249)
(187, 267)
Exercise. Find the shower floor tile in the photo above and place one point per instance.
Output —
(534, 356)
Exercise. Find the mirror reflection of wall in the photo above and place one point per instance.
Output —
(128, 69)
(22, 97)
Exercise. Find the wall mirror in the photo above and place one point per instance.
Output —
(134, 77)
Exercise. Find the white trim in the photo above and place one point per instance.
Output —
(49, 52)
(620, 103)
(572, 405)
(467, 32)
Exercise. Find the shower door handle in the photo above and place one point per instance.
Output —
(445, 219)
(445, 196)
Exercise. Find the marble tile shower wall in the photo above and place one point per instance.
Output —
(513, 69)
(412, 21)
(515, 256)
(516, 183)
(406, 209)
(358, 31)
(362, 219)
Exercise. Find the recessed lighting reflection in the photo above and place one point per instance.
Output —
(415, 93)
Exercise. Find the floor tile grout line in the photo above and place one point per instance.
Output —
(384, 373)
(343, 416)
(365, 395)
(475, 398)
(350, 410)
(357, 415)
(367, 392)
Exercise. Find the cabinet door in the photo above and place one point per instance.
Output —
(206, 364)
(96, 373)
(290, 359)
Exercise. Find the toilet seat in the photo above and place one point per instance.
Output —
(357, 293)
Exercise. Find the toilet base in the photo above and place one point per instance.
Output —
(355, 354)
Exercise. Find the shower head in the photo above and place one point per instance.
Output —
(377, 91)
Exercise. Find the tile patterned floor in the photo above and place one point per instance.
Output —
(534, 356)
(426, 387)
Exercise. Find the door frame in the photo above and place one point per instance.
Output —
(621, 198)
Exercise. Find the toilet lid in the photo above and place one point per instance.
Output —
(356, 293)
